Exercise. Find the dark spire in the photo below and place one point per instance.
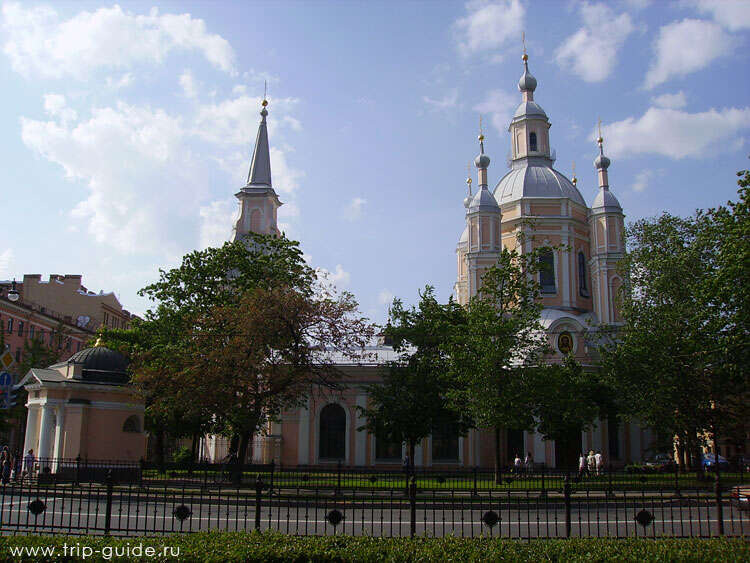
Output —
(260, 166)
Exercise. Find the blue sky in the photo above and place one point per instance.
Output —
(126, 129)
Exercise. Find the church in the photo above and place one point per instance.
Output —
(579, 285)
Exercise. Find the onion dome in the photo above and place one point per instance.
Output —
(527, 82)
(482, 160)
(536, 181)
(601, 161)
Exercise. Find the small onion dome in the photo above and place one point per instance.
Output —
(527, 82)
(601, 161)
(467, 201)
(482, 161)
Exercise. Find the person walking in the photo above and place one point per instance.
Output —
(5, 466)
(517, 464)
(28, 463)
(528, 462)
(581, 465)
(591, 462)
(599, 461)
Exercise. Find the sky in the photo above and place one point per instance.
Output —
(126, 129)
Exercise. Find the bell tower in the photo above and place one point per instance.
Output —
(258, 200)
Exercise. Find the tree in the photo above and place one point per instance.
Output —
(566, 399)
(679, 362)
(502, 339)
(410, 402)
(263, 353)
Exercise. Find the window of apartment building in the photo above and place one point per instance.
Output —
(106, 319)
(18, 355)
(10, 326)
(20, 328)
(51, 338)
(78, 346)
(67, 344)
(32, 330)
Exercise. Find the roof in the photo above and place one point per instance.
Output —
(260, 166)
(536, 180)
(606, 200)
(482, 200)
(529, 109)
(101, 365)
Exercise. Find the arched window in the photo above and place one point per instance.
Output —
(547, 271)
(582, 287)
(132, 424)
(445, 442)
(332, 439)
(532, 142)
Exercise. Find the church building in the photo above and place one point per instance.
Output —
(579, 286)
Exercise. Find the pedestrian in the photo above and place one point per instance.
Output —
(591, 462)
(407, 464)
(581, 465)
(5, 466)
(528, 462)
(517, 464)
(599, 461)
(28, 463)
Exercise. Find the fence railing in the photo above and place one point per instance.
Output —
(131, 509)
(338, 476)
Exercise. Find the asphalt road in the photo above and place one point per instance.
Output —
(81, 515)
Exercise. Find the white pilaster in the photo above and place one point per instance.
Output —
(360, 439)
(32, 433)
(539, 447)
(59, 434)
(45, 432)
(565, 267)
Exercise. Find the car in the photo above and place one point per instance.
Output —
(708, 461)
(739, 496)
(661, 462)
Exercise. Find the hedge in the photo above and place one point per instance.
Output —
(271, 546)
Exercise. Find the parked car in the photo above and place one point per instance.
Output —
(739, 496)
(708, 461)
(661, 462)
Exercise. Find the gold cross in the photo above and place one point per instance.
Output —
(523, 39)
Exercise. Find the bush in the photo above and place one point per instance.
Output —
(238, 546)
(183, 456)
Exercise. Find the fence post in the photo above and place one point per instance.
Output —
(273, 467)
(78, 469)
(258, 499)
(475, 493)
(719, 508)
(413, 506)
(108, 515)
(676, 480)
(544, 490)
(338, 478)
(566, 490)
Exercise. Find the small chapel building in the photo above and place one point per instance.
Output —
(579, 286)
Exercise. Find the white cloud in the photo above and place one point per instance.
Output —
(40, 42)
(56, 106)
(489, 25)
(188, 84)
(217, 222)
(592, 50)
(353, 210)
(677, 134)
(139, 171)
(449, 101)
(385, 297)
(684, 47)
(671, 101)
(339, 276)
(642, 180)
(732, 14)
(499, 105)
(6, 259)
(116, 83)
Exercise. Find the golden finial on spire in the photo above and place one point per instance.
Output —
(574, 179)
(525, 57)
(600, 140)
(264, 103)
(481, 133)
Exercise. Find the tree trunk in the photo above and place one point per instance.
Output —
(160, 449)
(498, 464)
(241, 455)
(412, 447)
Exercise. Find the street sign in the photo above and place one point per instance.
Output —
(6, 359)
(6, 379)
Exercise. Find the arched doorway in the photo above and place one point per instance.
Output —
(332, 433)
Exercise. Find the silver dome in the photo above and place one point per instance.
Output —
(536, 181)
(601, 161)
(483, 200)
(529, 109)
(606, 200)
(527, 82)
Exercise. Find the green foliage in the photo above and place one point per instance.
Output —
(183, 456)
(566, 400)
(680, 361)
(411, 400)
(268, 546)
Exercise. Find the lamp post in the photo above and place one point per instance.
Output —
(13, 293)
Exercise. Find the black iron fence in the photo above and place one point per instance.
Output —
(129, 509)
(338, 476)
